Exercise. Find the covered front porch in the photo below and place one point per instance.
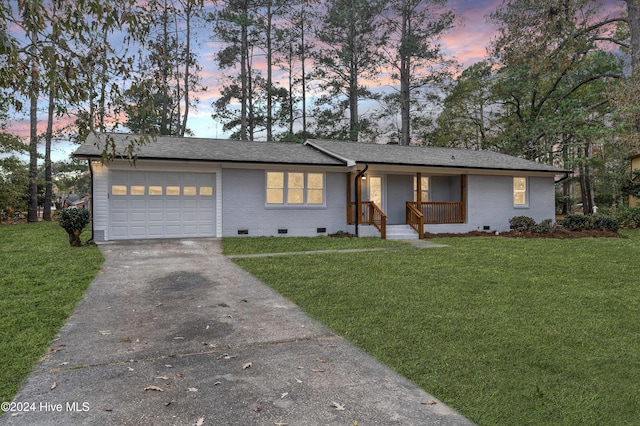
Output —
(384, 199)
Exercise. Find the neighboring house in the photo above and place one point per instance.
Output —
(188, 187)
(635, 165)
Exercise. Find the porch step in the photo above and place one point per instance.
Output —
(401, 232)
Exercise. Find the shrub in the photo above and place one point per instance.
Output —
(628, 217)
(598, 222)
(575, 222)
(522, 223)
(604, 222)
(543, 227)
(73, 221)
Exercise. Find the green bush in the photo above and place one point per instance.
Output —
(604, 222)
(544, 227)
(598, 222)
(628, 217)
(522, 224)
(575, 222)
(73, 221)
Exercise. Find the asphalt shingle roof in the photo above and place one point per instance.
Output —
(219, 150)
(428, 156)
(313, 152)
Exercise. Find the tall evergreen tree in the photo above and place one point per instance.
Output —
(347, 57)
(413, 52)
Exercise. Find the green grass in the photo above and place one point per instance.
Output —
(506, 331)
(240, 245)
(41, 280)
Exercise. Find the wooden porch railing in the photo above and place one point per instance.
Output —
(370, 214)
(441, 211)
(415, 219)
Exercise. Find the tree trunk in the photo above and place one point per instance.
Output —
(187, 70)
(303, 57)
(269, 74)
(585, 182)
(405, 92)
(32, 212)
(243, 81)
(48, 191)
(74, 238)
(633, 11)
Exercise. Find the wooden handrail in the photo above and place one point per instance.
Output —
(378, 219)
(370, 214)
(415, 218)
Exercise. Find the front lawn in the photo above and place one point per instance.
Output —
(41, 280)
(506, 331)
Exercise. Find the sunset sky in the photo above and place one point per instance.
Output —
(467, 43)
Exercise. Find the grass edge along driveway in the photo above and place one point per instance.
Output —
(506, 331)
(41, 279)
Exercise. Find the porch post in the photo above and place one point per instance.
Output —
(359, 195)
(463, 197)
(349, 211)
(419, 190)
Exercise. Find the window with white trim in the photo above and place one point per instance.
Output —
(520, 195)
(295, 188)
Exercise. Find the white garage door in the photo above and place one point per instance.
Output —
(161, 205)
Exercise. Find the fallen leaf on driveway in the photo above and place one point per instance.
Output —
(217, 383)
(226, 356)
(284, 395)
(154, 388)
(247, 365)
(105, 332)
(168, 403)
(298, 380)
(318, 371)
(63, 363)
(429, 402)
(54, 385)
(192, 389)
(162, 377)
(200, 421)
(337, 406)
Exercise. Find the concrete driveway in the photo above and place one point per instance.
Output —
(174, 333)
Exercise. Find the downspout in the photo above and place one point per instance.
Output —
(92, 200)
(358, 177)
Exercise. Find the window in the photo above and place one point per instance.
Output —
(119, 189)
(424, 183)
(315, 188)
(295, 188)
(275, 188)
(155, 190)
(173, 190)
(189, 190)
(137, 189)
(206, 191)
(520, 192)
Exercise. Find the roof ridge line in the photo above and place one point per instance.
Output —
(348, 161)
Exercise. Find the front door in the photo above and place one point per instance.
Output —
(375, 190)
